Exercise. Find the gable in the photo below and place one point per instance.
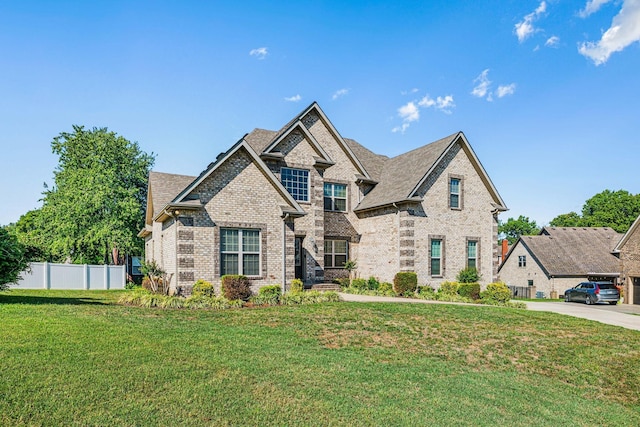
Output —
(633, 233)
(161, 189)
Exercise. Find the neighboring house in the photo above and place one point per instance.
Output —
(300, 202)
(561, 257)
(628, 249)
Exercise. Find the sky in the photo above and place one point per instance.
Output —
(547, 92)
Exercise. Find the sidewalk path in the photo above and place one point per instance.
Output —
(625, 316)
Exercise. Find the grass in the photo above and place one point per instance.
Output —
(78, 358)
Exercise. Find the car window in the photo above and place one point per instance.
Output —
(607, 286)
(589, 286)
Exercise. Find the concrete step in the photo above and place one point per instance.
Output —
(325, 287)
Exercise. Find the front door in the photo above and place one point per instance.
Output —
(299, 258)
(636, 290)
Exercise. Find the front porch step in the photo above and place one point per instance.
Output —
(325, 287)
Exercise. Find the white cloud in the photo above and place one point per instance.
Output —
(525, 28)
(481, 89)
(410, 112)
(339, 93)
(259, 53)
(592, 6)
(294, 98)
(505, 90)
(407, 92)
(624, 31)
(552, 41)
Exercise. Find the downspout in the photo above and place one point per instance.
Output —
(176, 246)
(284, 253)
(398, 237)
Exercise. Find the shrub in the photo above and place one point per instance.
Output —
(267, 295)
(405, 283)
(310, 297)
(496, 293)
(344, 282)
(426, 292)
(450, 288)
(296, 286)
(235, 287)
(443, 296)
(359, 284)
(386, 289)
(468, 275)
(373, 283)
(204, 288)
(149, 286)
(469, 290)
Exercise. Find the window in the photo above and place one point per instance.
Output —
(436, 257)
(186, 221)
(472, 254)
(296, 181)
(522, 260)
(240, 252)
(335, 197)
(454, 193)
(335, 253)
(530, 282)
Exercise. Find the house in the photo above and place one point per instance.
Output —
(559, 258)
(301, 201)
(628, 249)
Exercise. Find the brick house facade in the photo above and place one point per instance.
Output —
(301, 201)
(628, 249)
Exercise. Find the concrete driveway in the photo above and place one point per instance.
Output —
(624, 315)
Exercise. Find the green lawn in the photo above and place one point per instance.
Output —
(78, 358)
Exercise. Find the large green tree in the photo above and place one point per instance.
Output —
(97, 203)
(615, 209)
(12, 259)
(512, 229)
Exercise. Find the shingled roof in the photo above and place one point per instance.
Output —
(574, 251)
(164, 187)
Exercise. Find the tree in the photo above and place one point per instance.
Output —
(570, 219)
(615, 209)
(12, 259)
(96, 207)
(514, 228)
(29, 230)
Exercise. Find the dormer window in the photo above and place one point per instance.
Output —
(296, 181)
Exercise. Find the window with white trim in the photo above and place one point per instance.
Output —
(436, 257)
(472, 254)
(296, 181)
(335, 253)
(240, 251)
(522, 260)
(335, 197)
(454, 193)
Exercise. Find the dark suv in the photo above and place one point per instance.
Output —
(593, 292)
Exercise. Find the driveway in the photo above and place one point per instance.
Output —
(624, 315)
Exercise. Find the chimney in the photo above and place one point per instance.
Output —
(505, 248)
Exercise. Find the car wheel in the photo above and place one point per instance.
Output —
(588, 300)
(567, 298)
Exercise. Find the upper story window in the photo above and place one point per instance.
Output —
(455, 187)
(522, 260)
(296, 181)
(335, 197)
(240, 251)
(472, 254)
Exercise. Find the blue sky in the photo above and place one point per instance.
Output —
(547, 92)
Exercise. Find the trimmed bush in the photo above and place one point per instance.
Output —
(148, 284)
(267, 295)
(202, 287)
(405, 283)
(235, 287)
(468, 275)
(469, 290)
(296, 286)
(310, 297)
(450, 288)
(496, 293)
(386, 289)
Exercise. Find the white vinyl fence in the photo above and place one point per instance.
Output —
(44, 275)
